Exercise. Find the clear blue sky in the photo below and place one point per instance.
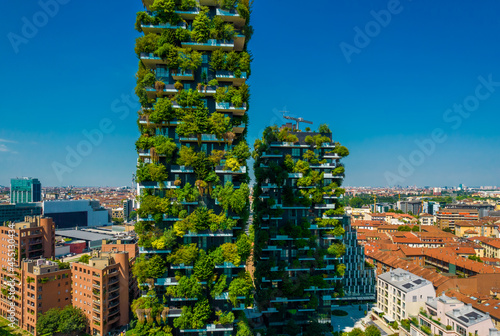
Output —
(70, 75)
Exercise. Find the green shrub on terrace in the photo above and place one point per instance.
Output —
(188, 287)
(337, 249)
(224, 318)
(203, 267)
(151, 172)
(341, 151)
(219, 286)
(240, 286)
(323, 128)
(228, 197)
(201, 26)
(284, 135)
(203, 219)
(244, 246)
(338, 171)
(230, 253)
(340, 269)
(301, 167)
(144, 142)
(311, 157)
(165, 241)
(189, 98)
(163, 111)
(144, 18)
(146, 43)
(164, 146)
(148, 268)
(219, 124)
(241, 152)
(185, 254)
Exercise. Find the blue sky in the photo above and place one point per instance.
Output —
(75, 73)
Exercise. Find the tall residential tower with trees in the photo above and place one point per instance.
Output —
(306, 255)
(192, 173)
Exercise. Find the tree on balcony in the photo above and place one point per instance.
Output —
(185, 254)
(201, 26)
(240, 286)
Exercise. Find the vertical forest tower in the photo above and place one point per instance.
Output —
(307, 257)
(192, 173)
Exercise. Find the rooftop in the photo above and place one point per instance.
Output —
(404, 280)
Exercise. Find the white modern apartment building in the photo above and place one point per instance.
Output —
(447, 316)
(401, 294)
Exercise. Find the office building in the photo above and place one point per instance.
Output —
(192, 153)
(401, 294)
(448, 216)
(25, 190)
(78, 213)
(306, 254)
(415, 207)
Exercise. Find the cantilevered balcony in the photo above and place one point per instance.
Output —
(239, 128)
(331, 156)
(229, 76)
(239, 42)
(182, 74)
(158, 28)
(189, 14)
(181, 169)
(150, 60)
(231, 16)
(210, 45)
(169, 89)
(204, 138)
(228, 107)
(208, 90)
(166, 282)
(225, 170)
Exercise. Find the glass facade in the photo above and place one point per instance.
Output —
(25, 190)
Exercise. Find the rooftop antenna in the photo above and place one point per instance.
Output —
(297, 120)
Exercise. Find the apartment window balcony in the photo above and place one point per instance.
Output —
(181, 169)
(239, 128)
(221, 170)
(96, 310)
(210, 45)
(150, 60)
(189, 14)
(204, 138)
(158, 28)
(151, 251)
(115, 288)
(231, 16)
(166, 282)
(169, 89)
(228, 107)
(229, 76)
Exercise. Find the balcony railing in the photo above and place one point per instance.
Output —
(211, 44)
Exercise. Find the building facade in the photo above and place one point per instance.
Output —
(101, 289)
(306, 255)
(447, 217)
(192, 176)
(17, 212)
(32, 239)
(25, 190)
(45, 286)
(401, 294)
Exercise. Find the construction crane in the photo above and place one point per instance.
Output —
(297, 120)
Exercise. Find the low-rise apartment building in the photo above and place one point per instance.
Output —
(401, 294)
(480, 228)
(450, 317)
(491, 246)
(45, 286)
(101, 290)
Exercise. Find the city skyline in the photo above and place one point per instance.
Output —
(393, 89)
